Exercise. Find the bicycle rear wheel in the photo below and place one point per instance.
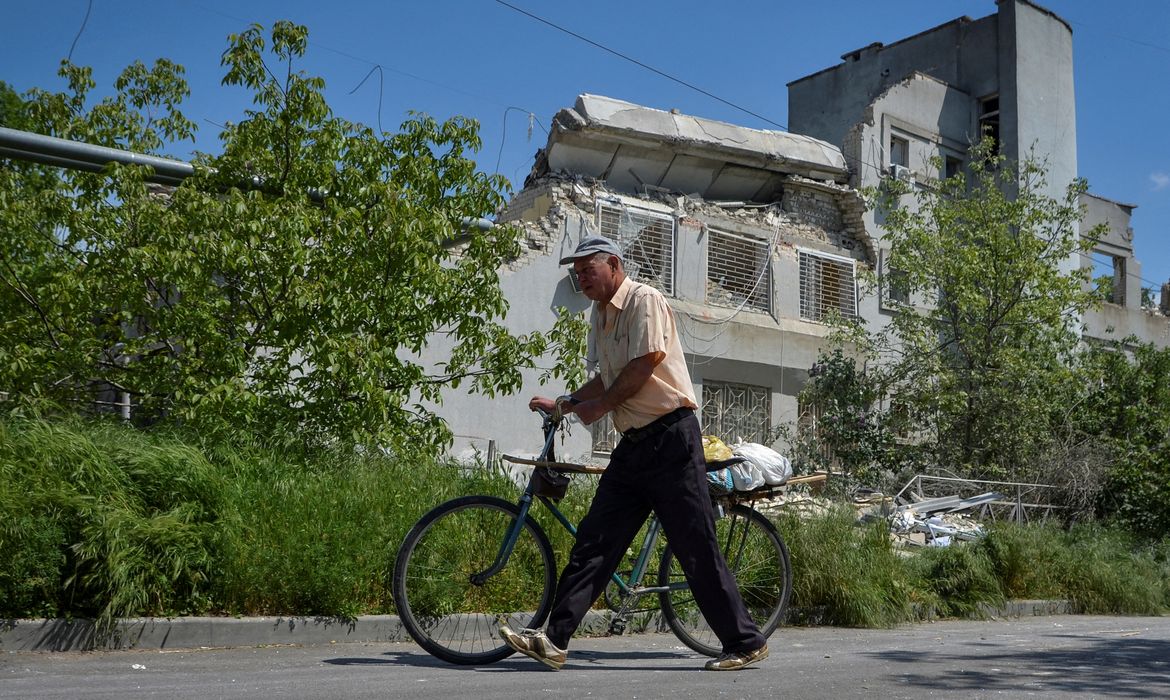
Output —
(444, 610)
(758, 559)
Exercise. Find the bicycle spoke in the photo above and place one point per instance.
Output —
(445, 612)
(757, 559)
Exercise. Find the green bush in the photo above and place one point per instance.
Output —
(1027, 560)
(320, 537)
(844, 574)
(958, 581)
(104, 521)
(1107, 572)
(99, 520)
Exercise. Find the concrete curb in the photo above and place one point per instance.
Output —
(218, 632)
(198, 632)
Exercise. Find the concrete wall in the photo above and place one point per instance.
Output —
(723, 344)
(1114, 321)
(928, 88)
(1023, 53)
(962, 53)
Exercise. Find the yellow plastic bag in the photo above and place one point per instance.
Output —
(715, 450)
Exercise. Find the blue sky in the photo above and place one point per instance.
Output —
(481, 59)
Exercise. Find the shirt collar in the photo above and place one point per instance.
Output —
(623, 292)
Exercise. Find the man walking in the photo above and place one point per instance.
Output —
(658, 465)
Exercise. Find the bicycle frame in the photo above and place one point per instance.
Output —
(630, 588)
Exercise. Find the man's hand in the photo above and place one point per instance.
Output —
(542, 403)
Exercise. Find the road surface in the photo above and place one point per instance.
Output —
(1036, 657)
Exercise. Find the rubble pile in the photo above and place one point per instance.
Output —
(939, 522)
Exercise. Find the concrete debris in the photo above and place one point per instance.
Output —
(937, 522)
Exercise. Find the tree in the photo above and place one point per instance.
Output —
(853, 434)
(1125, 407)
(287, 288)
(984, 353)
(12, 108)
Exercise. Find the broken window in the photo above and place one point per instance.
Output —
(1109, 277)
(646, 238)
(827, 283)
(899, 151)
(739, 271)
(952, 166)
(895, 283)
(989, 118)
(735, 412)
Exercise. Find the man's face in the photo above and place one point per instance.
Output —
(598, 276)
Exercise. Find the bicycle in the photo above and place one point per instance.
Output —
(475, 562)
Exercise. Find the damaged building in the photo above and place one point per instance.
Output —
(897, 109)
(754, 237)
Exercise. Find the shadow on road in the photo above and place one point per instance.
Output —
(611, 660)
(1115, 667)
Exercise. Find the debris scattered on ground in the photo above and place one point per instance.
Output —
(939, 522)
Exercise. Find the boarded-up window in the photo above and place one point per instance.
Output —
(739, 271)
(826, 284)
(646, 238)
(736, 412)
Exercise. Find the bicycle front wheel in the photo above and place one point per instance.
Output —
(442, 596)
(758, 559)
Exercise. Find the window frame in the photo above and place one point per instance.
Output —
(758, 393)
(822, 304)
(624, 208)
(886, 276)
(760, 296)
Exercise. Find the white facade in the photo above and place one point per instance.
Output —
(755, 235)
(751, 235)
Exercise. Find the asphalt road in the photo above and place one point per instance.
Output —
(1036, 657)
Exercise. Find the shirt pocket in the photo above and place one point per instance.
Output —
(621, 350)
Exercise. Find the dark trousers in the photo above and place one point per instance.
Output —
(666, 473)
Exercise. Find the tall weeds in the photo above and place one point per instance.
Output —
(844, 574)
(102, 521)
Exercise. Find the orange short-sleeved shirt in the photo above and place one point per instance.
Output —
(638, 321)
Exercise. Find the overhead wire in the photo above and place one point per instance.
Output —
(376, 66)
(84, 22)
(635, 61)
(722, 100)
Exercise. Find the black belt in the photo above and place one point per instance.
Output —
(659, 425)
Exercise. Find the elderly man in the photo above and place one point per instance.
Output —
(658, 464)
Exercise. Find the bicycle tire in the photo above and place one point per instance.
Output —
(758, 559)
(450, 616)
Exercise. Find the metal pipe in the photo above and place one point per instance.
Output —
(50, 150)
(76, 155)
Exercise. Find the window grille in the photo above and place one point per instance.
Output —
(646, 239)
(605, 436)
(737, 411)
(826, 284)
(739, 271)
(808, 425)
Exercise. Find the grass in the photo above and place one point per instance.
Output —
(102, 521)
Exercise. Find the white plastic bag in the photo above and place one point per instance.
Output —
(774, 468)
(746, 476)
